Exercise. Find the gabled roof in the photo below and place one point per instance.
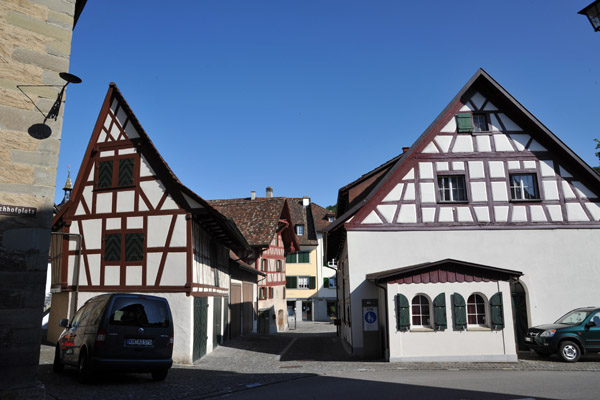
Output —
(321, 216)
(447, 270)
(258, 219)
(314, 219)
(218, 225)
(485, 83)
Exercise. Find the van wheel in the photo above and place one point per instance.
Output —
(160, 374)
(58, 366)
(85, 373)
(569, 351)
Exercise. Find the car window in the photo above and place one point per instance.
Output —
(93, 311)
(574, 317)
(596, 318)
(139, 312)
(77, 318)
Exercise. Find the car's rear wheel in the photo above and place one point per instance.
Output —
(85, 373)
(58, 366)
(569, 351)
(160, 374)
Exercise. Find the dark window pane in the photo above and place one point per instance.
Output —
(105, 174)
(479, 123)
(112, 247)
(126, 172)
(134, 246)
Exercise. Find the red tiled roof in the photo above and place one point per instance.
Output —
(257, 219)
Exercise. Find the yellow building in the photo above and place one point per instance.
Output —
(310, 286)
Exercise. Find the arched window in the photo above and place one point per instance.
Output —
(476, 310)
(421, 311)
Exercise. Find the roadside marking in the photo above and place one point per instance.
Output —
(253, 385)
(287, 348)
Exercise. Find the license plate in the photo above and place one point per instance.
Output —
(138, 342)
(528, 339)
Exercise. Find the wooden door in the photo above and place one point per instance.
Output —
(248, 308)
(235, 327)
(200, 327)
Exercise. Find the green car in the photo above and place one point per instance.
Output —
(573, 334)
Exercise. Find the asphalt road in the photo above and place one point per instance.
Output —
(460, 385)
(311, 363)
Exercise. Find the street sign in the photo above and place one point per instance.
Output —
(370, 322)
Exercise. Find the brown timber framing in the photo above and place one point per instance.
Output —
(188, 204)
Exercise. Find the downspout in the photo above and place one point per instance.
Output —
(387, 326)
(75, 283)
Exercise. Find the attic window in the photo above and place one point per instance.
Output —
(480, 123)
(300, 230)
(109, 178)
(464, 122)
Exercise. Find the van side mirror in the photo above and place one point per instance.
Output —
(63, 323)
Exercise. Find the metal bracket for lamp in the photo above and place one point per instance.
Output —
(42, 131)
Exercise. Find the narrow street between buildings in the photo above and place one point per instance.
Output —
(309, 362)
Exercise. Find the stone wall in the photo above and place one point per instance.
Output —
(35, 45)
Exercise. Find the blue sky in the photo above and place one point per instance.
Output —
(306, 96)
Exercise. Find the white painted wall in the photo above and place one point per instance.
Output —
(559, 265)
(473, 344)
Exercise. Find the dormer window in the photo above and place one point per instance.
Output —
(299, 230)
(330, 218)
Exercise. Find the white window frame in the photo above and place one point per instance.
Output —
(442, 179)
(477, 314)
(303, 286)
(300, 230)
(521, 186)
(420, 315)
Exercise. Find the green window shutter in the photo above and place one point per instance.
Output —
(312, 282)
(464, 122)
(439, 312)
(303, 257)
(497, 312)
(126, 172)
(134, 247)
(459, 312)
(402, 312)
(291, 282)
(112, 247)
(105, 173)
(290, 258)
(325, 282)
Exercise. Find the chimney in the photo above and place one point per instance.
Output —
(269, 192)
(306, 201)
(253, 195)
(405, 149)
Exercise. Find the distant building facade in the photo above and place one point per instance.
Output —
(311, 288)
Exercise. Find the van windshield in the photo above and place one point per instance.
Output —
(139, 312)
(574, 317)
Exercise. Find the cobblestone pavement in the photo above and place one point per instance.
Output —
(312, 349)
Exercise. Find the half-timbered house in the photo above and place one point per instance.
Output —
(131, 226)
(487, 218)
(267, 225)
